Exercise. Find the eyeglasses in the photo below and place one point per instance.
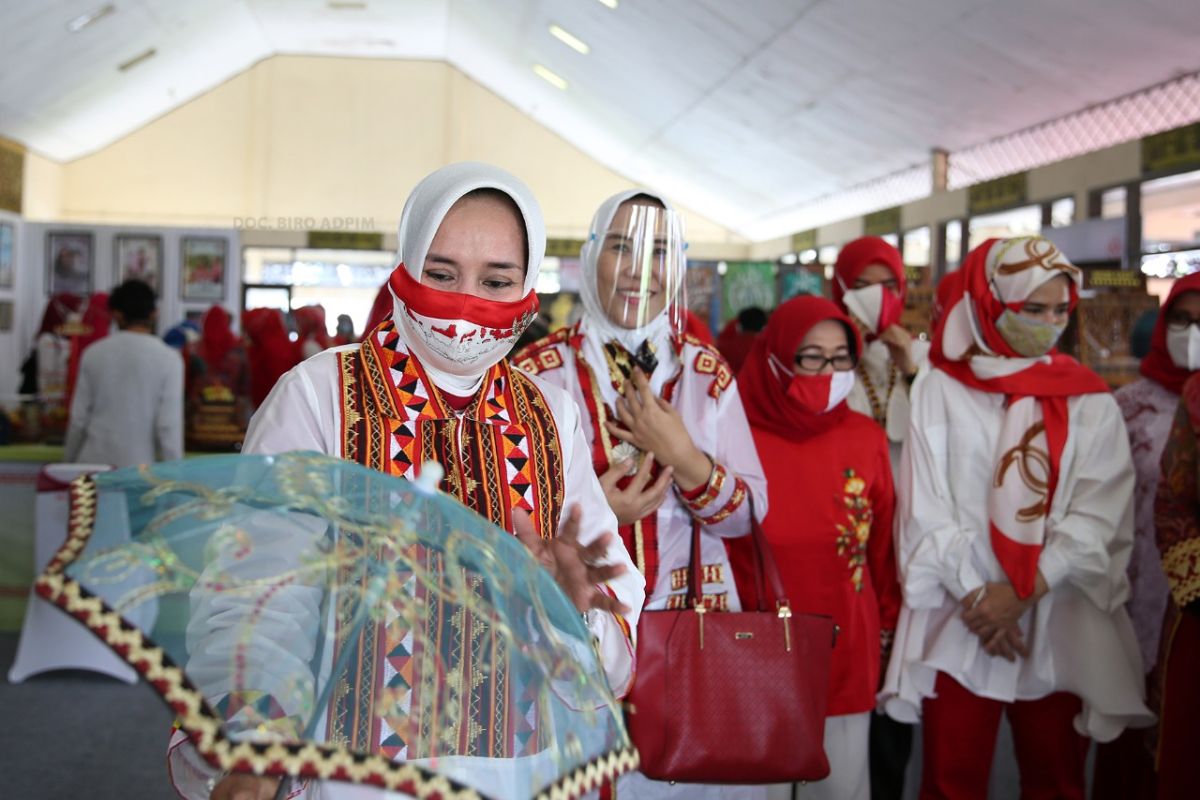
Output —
(1181, 323)
(815, 362)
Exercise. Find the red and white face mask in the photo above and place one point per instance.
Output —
(876, 307)
(455, 333)
(817, 394)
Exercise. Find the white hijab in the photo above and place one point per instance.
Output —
(598, 329)
(423, 213)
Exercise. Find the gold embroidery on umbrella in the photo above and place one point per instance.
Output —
(1027, 457)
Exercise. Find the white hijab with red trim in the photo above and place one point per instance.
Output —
(997, 277)
(458, 337)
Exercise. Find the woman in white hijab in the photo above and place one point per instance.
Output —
(431, 383)
(662, 416)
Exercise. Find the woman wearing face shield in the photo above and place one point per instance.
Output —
(1016, 508)
(431, 383)
(667, 432)
(830, 525)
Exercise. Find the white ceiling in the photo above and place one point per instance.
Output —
(743, 110)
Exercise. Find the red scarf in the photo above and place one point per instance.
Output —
(861, 253)
(765, 394)
(1157, 365)
(217, 337)
(1034, 430)
(271, 352)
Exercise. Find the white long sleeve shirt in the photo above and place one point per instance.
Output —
(128, 403)
(1079, 634)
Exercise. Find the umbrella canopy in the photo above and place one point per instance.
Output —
(305, 616)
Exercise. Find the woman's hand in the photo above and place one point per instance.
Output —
(636, 500)
(245, 787)
(574, 566)
(899, 344)
(650, 423)
(992, 613)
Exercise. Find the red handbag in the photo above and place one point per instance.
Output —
(732, 697)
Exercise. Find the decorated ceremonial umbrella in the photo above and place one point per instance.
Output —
(309, 618)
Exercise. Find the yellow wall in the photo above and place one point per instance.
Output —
(335, 139)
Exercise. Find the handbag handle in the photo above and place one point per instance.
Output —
(764, 564)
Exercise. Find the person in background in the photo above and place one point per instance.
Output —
(1177, 529)
(270, 353)
(1015, 501)
(738, 335)
(829, 480)
(93, 326)
(128, 403)
(1142, 333)
(345, 331)
(310, 327)
(44, 372)
(662, 416)
(471, 244)
(1125, 767)
(869, 284)
(218, 385)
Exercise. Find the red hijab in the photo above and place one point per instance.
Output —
(765, 393)
(1157, 365)
(271, 352)
(948, 288)
(310, 324)
(216, 337)
(96, 321)
(61, 306)
(861, 253)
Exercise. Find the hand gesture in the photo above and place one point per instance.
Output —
(636, 500)
(899, 345)
(576, 567)
(992, 612)
(650, 423)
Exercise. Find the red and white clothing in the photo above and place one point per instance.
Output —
(1015, 465)
(830, 524)
(1148, 406)
(880, 392)
(705, 393)
(399, 399)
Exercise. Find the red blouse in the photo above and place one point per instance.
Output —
(829, 524)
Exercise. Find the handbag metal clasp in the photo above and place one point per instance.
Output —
(785, 614)
(700, 612)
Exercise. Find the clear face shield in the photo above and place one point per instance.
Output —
(640, 267)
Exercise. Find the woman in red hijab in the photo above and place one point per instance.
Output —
(870, 286)
(830, 503)
(218, 386)
(1015, 508)
(310, 325)
(1125, 767)
(94, 326)
(271, 352)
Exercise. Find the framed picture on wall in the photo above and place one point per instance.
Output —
(7, 247)
(69, 262)
(138, 257)
(203, 266)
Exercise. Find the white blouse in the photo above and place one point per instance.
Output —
(1080, 637)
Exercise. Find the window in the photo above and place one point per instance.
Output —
(916, 248)
(953, 244)
(1062, 212)
(1023, 221)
